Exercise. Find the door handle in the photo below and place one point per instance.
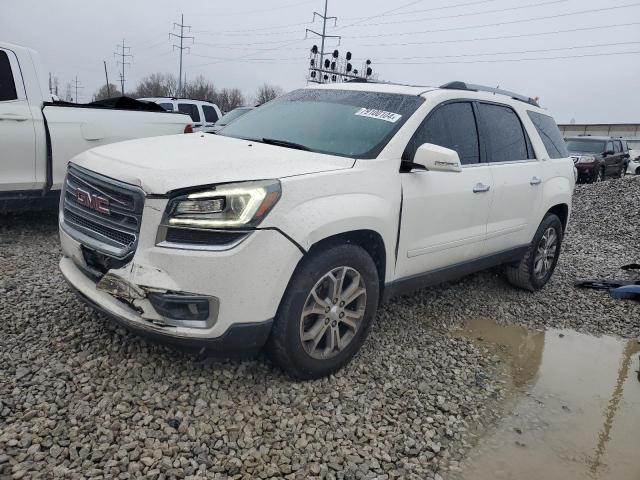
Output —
(535, 181)
(481, 188)
(13, 116)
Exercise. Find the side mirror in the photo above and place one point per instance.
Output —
(607, 153)
(437, 158)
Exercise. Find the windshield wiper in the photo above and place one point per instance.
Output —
(285, 143)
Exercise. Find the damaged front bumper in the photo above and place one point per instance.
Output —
(220, 300)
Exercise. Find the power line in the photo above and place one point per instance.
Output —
(262, 10)
(181, 48)
(123, 54)
(467, 14)
(431, 9)
(323, 35)
(475, 54)
(512, 22)
(539, 50)
(514, 59)
(501, 37)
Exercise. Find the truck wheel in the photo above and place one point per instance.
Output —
(598, 176)
(326, 312)
(537, 265)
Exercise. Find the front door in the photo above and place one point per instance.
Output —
(17, 134)
(444, 214)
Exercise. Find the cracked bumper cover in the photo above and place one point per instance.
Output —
(248, 282)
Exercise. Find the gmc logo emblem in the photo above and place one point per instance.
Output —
(94, 202)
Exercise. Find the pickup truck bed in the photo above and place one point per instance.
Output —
(39, 137)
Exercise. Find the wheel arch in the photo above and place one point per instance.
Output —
(369, 240)
(561, 210)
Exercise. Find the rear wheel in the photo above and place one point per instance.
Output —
(638, 171)
(623, 170)
(326, 312)
(536, 267)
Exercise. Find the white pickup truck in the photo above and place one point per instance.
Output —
(38, 136)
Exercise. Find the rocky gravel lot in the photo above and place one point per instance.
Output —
(80, 398)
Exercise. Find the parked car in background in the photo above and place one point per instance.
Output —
(204, 114)
(292, 224)
(633, 168)
(39, 136)
(597, 158)
(227, 118)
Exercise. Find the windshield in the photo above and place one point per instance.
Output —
(232, 115)
(338, 122)
(585, 146)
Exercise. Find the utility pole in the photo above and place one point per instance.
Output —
(50, 84)
(123, 54)
(323, 35)
(77, 86)
(181, 47)
(106, 78)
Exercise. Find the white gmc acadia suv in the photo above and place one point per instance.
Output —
(290, 226)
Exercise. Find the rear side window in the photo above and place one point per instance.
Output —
(504, 135)
(549, 134)
(618, 146)
(7, 85)
(167, 106)
(609, 147)
(453, 126)
(191, 110)
(210, 114)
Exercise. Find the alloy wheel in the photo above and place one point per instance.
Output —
(545, 253)
(333, 313)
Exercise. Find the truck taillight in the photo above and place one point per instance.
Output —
(188, 129)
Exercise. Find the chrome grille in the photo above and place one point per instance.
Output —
(101, 213)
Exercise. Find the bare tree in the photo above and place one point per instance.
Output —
(103, 92)
(267, 93)
(229, 98)
(157, 85)
(200, 89)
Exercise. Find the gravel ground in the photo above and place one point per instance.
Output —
(80, 398)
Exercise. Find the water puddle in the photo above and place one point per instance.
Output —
(576, 408)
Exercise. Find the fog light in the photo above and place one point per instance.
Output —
(180, 307)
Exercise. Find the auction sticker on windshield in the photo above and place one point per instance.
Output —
(379, 114)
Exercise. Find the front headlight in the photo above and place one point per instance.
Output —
(232, 205)
(586, 159)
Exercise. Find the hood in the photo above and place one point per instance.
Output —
(162, 164)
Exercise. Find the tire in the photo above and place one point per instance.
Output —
(312, 358)
(525, 274)
(599, 176)
(638, 171)
(623, 170)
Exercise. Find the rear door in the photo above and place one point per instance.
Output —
(517, 177)
(193, 111)
(444, 215)
(610, 160)
(17, 129)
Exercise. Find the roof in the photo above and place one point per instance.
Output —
(157, 99)
(466, 90)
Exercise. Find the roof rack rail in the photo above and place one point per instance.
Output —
(481, 88)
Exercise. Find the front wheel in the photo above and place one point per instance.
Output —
(536, 267)
(326, 312)
(598, 176)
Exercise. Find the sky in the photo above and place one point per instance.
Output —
(581, 57)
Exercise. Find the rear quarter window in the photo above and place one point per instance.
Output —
(7, 85)
(167, 106)
(549, 134)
